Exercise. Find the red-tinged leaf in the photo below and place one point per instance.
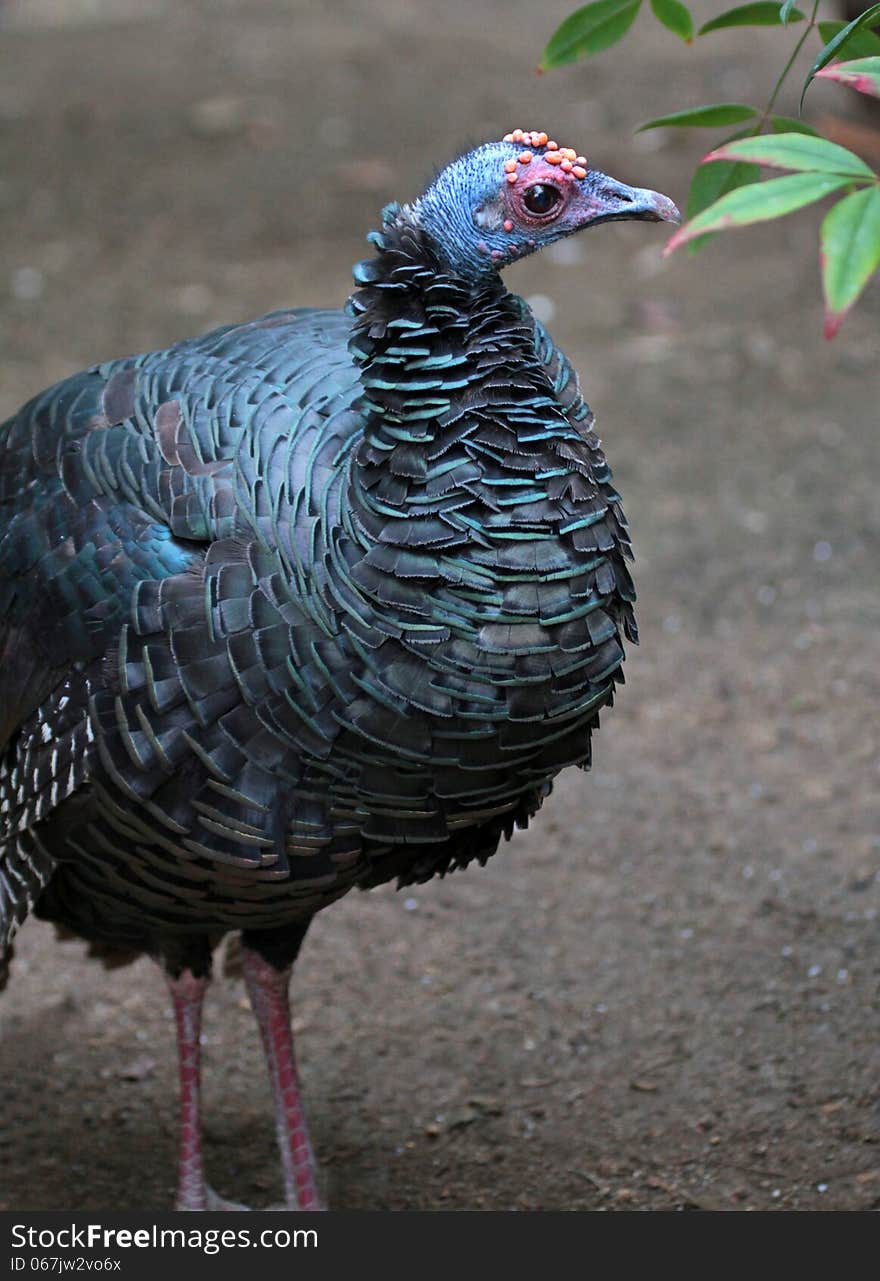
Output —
(794, 151)
(719, 113)
(861, 44)
(849, 252)
(862, 74)
(589, 30)
(834, 48)
(762, 14)
(759, 202)
(676, 17)
(786, 124)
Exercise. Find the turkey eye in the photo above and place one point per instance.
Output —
(540, 199)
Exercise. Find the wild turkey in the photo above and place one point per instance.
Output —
(308, 603)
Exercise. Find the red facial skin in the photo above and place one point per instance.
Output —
(538, 173)
(570, 212)
(586, 196)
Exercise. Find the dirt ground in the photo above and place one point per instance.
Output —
(664, 995)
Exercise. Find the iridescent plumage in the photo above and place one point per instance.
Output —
(303, 604)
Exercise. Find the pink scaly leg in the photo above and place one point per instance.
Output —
(268, 992)
(193, 1192)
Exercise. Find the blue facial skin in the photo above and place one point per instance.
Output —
(465, 208)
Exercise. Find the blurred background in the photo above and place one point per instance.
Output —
(664, 994)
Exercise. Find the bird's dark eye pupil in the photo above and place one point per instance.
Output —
(541, 198)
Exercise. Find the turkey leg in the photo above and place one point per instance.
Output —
(268, 991)
(193, 1192)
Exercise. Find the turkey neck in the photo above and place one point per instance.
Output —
(482, 507)
(465, 444)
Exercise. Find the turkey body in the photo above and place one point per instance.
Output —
(309, 603)
(242, 676)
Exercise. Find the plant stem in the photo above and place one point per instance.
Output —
(788, 66)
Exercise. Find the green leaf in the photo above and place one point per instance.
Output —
(862, 74)
(834, 46)
(676, 16)
(785, 124)
(589, 30)
(785, 12)
(759, 202)
(849, 252)
(795, 151)
(861, 44)
(765, 13)
(719, 113)
(710, 183)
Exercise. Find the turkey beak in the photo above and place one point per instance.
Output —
(607, 200)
